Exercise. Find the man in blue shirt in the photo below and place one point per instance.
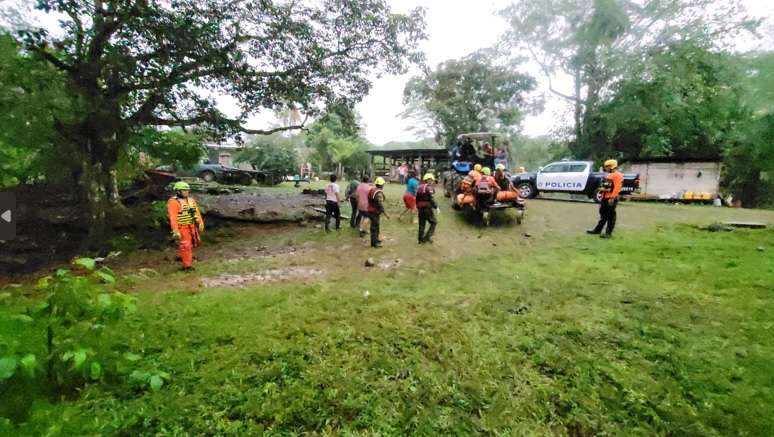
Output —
(410, 197)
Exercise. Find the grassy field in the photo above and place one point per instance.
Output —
(511, 330)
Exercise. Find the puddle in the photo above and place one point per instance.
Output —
(273, 275)
(262, 253)
(383, 265)
(389, 264)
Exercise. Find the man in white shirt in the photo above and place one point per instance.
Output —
(332, 198)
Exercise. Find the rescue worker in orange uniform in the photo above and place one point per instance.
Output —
(487, 176)
(610, 188)
(475, 174)
(186, 222)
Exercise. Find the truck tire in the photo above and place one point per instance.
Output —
(207, 176)
(527, 190)
(245, 180)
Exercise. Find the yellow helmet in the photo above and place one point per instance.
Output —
(611, 163)
(379, 181)
(477, 167)
(428, 177)
(181, 186)
(500, 167)
(487, 171)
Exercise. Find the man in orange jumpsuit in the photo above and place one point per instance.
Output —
(186, 222)
(611, 188)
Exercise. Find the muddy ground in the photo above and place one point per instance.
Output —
(238, 252)
(51, 226)
(241, 253)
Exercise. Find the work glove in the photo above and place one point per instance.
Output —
(201, 227)
(176, 235)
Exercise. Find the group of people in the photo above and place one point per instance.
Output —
(481, 183)
(367, 203)
(492, 156)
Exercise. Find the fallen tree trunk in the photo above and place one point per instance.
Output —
(262, 207)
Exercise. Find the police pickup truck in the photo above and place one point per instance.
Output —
(574, 177)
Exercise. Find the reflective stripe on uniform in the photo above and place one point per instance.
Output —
(187, 214)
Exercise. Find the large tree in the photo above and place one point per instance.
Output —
(594, 41)
(32, 96)
(684, 101)
(336, 140)
(134, 63)
(468, 94)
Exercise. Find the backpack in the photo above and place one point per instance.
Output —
(484, 187)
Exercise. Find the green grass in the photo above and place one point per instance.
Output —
(666, 331)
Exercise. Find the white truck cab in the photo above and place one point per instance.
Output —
(572, 176)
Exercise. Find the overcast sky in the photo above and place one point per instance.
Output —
(456, 28)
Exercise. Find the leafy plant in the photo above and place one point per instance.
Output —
(75, 315)
(152, 380)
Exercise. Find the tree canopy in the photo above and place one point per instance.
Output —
(595, 42)
(129, 64)
(684, 101)
(469, 94)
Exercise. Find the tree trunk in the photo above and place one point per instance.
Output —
(96, 183)
(114, 196)
(578, 108)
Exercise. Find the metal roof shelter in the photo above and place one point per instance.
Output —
(435, 159)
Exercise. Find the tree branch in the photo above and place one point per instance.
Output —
(550, 83)
(56, 62)
(301, 126)
(211, 118)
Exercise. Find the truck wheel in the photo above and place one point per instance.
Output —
(526, 190)
(207, 176)
(245, 180)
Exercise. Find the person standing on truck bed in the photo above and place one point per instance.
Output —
(611, 188)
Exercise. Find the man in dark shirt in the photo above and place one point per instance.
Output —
(375, 210)
(427, 209)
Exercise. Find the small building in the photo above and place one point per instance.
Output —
(385, 162)
(671, 178)
(222, 153)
